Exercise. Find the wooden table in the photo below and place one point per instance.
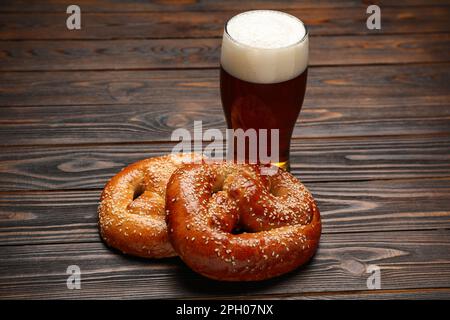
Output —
(372, 142)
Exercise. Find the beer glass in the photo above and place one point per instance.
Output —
(263, 71)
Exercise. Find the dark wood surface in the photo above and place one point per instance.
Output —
(372, 142)
(57, 55)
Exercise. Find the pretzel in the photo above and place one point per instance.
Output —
(131, 210)
(230, 222)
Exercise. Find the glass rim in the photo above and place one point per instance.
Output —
(259, 48)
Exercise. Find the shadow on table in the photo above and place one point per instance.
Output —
(196, 285)
(193, 285)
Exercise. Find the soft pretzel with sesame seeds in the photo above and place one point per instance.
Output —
(230, 222)
(131, 210)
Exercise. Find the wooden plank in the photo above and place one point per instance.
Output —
(313, 160)
(157, 25)
(52, 217)
(138, 6)
(156, 122)
(327, 86)
(366, 206)
(340, 102)
(205, 53)
(416, 259)
(420, 294)
(203, 5)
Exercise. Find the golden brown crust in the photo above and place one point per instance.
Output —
(131, 210)
(207, 203)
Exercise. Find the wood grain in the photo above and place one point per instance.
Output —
(313, 160)
(157, 25)
(203, 5)
(350, 206)
(327, 87)
(205, 53)
(396, 100)
(407, 260)
(156, 122)
(410, 294)
(372, 142)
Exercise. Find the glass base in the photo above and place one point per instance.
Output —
(285, 165)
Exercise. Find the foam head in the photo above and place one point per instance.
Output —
(264, 46)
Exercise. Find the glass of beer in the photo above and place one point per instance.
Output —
(263, 71)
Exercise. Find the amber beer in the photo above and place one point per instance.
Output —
(263, 73)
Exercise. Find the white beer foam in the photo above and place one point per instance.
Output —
(264, 46)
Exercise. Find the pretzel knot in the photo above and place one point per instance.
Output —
(230, 222)
(131, 210)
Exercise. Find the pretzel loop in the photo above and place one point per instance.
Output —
(132, 207)
(229, 222)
